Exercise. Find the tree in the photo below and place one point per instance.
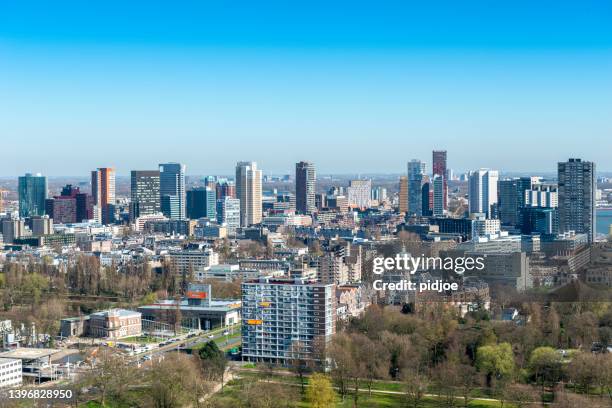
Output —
(415, 388)
(111, 376)
(522, 395)
(213, 362)
(175, 382)
(495, 361)
(320, 393)
(545, 365)
(583, 370)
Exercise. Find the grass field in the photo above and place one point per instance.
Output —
(230, 396)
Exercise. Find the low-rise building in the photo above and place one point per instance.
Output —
(115, 324)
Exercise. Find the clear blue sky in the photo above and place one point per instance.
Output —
(352, 86)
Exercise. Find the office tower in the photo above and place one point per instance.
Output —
(542, 195)
(41, 225)
(438, 183)
(426, 199)
(286, 319)
(228, 213)
(211, 182)
(305, 185)
(172, 187)
(511, 196)
(577, 197)
(248, 191)
(338, 203)
(84, 207)
(379, 194)
(321, 201)
(226, 189)
(483, 191)
(32, 190)
(12, 229)
(144, 193)
(439, 169)
(539, 220)
(103, 193)
(70, 206)
(416, 171)
(61, 209)
(202, 203)
(403, 194)
(359, 193)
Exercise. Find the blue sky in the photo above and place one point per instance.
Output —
(352, 86)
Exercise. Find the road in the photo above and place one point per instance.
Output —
(215, 334)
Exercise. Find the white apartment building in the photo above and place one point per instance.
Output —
(10, 372)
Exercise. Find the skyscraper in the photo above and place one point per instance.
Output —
(248, 191)
(438, 195)
(577, 187)
(416, 171)
(226, 188)
(403, 194)
(32, 190)
(359, 193)
(172, 190)
(305, 179)
(228, 213)
(483, 191)
(145, 195)
(202, 203)
(103, 192)
(512, 199)
(439, 169)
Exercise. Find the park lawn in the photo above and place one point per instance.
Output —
(229, 395)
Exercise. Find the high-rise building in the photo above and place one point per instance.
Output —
(226, 188)
(285, 320)
(403, 194)
(483, 191)
(41, 226)
(12, 229)
(70, 206)
(305, 185)
(172, 187)
(426, 199)
(211, 182)
(439, 169)
(228, 213)
(248, 191)
(359, 193)
(511, 196)
(103, 193)
(416, 171)
(202, 203)
(542, 195)
(61, 209)
(32, 190)
(438, 183)
(144, 193)
(577, 188)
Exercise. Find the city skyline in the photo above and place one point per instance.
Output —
(383, 85)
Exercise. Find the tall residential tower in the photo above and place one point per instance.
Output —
(248, 191)
(577, 187)
(305, 185)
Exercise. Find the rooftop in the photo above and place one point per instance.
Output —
(26, 353)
